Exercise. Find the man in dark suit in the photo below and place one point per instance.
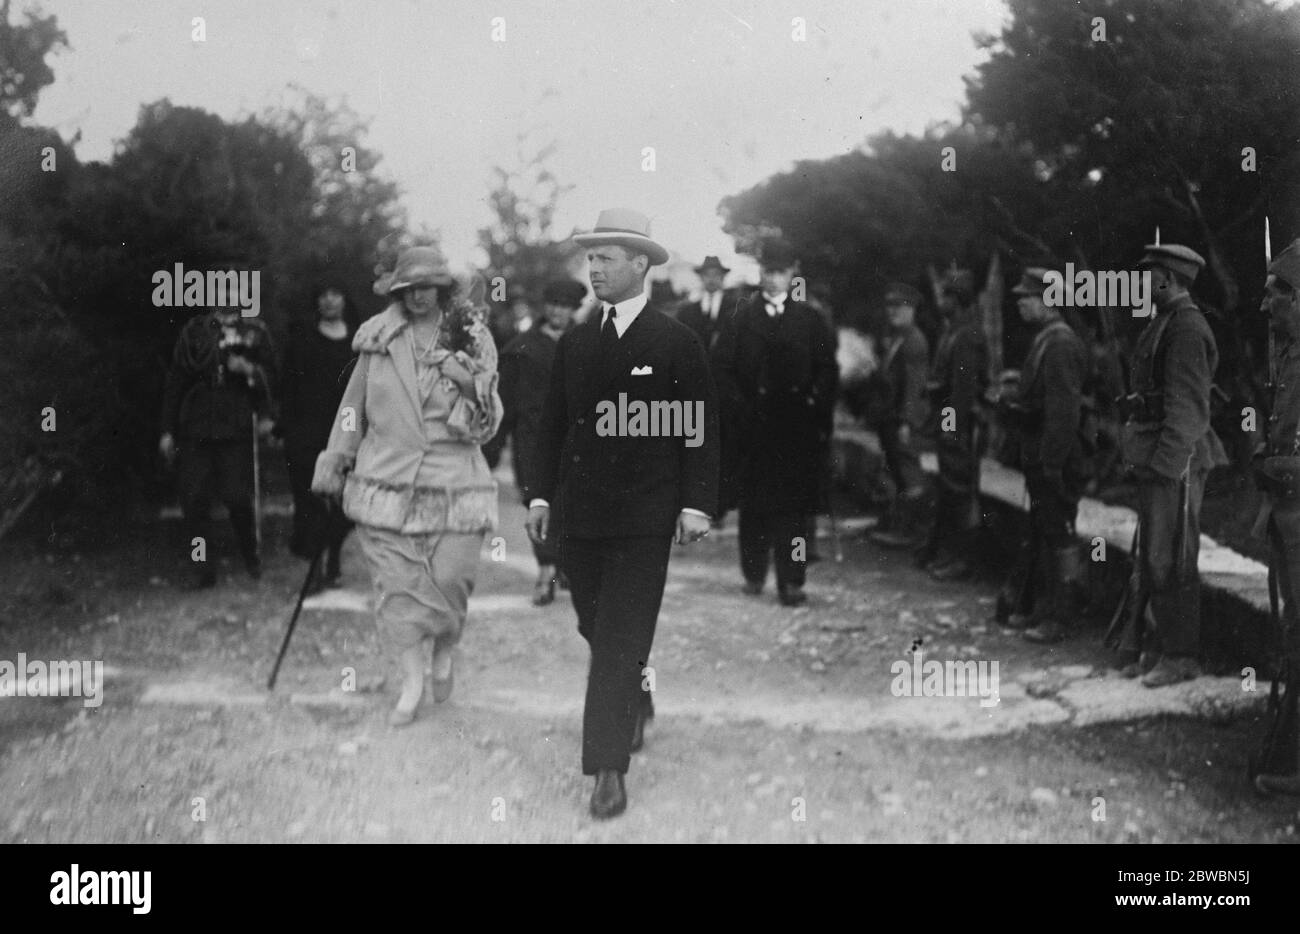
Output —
(705, 316)
(627, 452)
(777, 378)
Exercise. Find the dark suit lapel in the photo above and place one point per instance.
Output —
(629, 346)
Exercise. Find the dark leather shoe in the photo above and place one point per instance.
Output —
(753, 589)
(253, 565)
(609, 798)
(793, 596)
(202, 579)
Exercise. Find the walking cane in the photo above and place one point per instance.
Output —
(257, 489)
(297, 610)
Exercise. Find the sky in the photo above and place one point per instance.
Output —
(720, 90)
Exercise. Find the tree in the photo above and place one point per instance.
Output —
(520, 245)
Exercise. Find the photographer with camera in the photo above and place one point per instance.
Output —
(220, 377)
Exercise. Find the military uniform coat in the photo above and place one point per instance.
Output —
(1051, 393)
(1175, 359)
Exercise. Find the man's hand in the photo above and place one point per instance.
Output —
(691, 528)
(904, 434)
(167, 447)
(538, 524)
(265, 428)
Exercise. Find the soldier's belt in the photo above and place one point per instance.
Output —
(1142, 407)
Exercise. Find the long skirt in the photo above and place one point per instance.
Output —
(422, 583)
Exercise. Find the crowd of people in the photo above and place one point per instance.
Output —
(392, 426)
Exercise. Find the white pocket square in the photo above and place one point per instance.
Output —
(642, 370)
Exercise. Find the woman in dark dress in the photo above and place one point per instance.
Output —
(315, 375)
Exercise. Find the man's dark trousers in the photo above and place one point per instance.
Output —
(226, 468)
(1175, 601)
(617, 586)
(775, 532)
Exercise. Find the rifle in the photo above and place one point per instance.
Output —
(1127, 626)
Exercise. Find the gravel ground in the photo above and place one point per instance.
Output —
(771, 722)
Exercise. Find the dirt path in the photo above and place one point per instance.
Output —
(773, 725)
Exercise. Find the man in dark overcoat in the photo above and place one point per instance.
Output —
(525, 368)
(704, 316)
(776, 375)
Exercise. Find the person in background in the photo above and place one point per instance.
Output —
(1170, 448)
(898, 401)
(404, 456)
(315, 373)
(704, 317)
(958, 378)
(1278, 470)
(1048, 410)
(220, 377)
(776, 374)
(525, 377)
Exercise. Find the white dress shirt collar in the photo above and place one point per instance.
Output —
(777, 300)
(625, 312)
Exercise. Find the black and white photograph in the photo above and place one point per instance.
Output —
(710, 422)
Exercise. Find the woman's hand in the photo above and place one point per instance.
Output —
(459, 373)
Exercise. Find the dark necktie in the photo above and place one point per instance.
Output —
(608, 333)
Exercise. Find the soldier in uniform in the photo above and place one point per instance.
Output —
(219, 376)
(898, 409)
(1047, 409)
(1169, 447)
(958, 378)
(705, 316)
(1280, 468)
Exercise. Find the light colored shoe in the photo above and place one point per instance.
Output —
(442, 686)
(398, 717)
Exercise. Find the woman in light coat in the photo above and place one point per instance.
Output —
(404, 454)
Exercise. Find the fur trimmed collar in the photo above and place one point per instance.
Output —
(378, 332)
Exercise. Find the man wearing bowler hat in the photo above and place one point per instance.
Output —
(704, 317)
(622, 494)
(1169, 447)
(777, 378)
